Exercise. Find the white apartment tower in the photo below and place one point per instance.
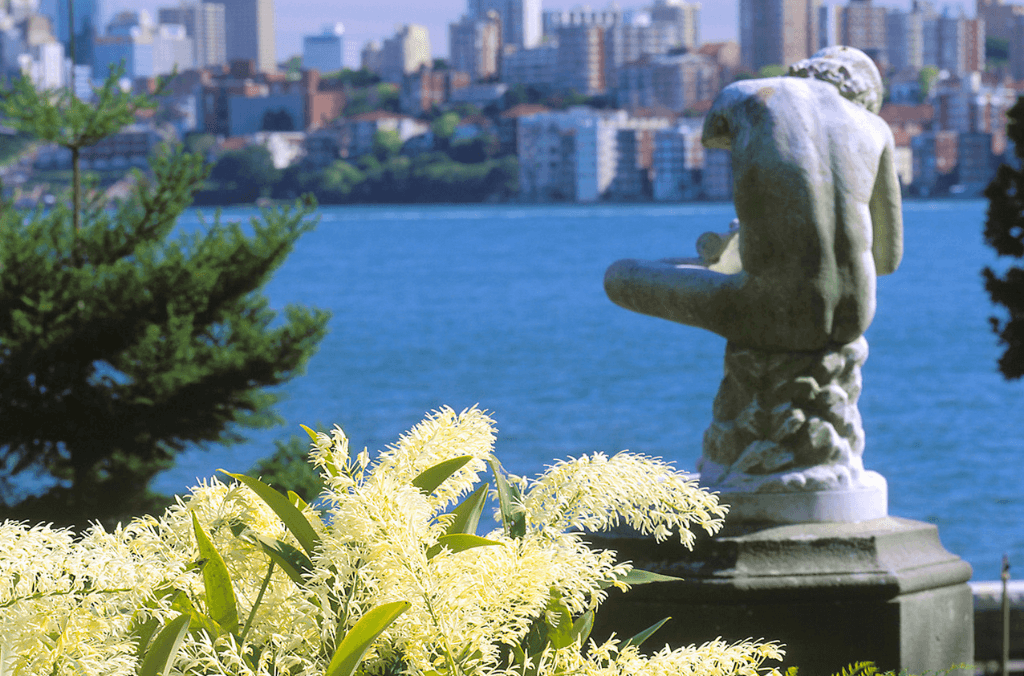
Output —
(405, 52)
(249, 32)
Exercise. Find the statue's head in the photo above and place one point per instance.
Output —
(850, 70)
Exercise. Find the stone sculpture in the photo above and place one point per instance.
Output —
(791, 287)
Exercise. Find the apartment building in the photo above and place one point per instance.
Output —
(359, 131)
(427, 88)
(862, 24)
(249, 32)
(578, 154)
(777, 32)
(204, 24)
(581, 65)
(474, 46)
(521, 22)
(404, 53)
(676, 82)
(536, 67)
(325, 52)
(678, 161)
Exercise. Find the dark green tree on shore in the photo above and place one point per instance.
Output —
(1004, 232)
(123, 342)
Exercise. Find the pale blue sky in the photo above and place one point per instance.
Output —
(374, 20)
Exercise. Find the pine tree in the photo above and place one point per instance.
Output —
(1004, 231)
(122, 342)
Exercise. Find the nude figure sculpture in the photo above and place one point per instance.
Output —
(792, 289)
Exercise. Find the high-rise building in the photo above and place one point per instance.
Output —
(204, 24)
(249, 32)
(128, 42)
(474, 46)
(862, 25)
(581, 64)
(673, 81)
(370, 57)
(325, 52)
(520, 19)
(1000, 18)
(954, 43)
(172, 49)
(904, 39)
(777, 32)
(828, 26)
(86, 19)
(685, 16)
(404, 53)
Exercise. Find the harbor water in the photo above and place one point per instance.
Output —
(502, 306)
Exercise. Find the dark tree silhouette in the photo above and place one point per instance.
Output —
(1004, 232)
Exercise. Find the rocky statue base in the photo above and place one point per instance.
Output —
(883, 590)
(786, 442)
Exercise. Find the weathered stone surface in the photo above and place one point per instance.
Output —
(787, 421)
(883, 590)
(819, 214)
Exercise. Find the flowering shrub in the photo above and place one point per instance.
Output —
(386, 576)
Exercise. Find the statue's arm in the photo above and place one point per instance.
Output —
(886, 213)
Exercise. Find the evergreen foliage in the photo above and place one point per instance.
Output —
(1004, 232)
(123, 342)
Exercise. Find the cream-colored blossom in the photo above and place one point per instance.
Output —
(597, 493)
(67, 605)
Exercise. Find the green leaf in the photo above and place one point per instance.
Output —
(361, 636)
(165, 647)
(220, 596)
(636, 576)
(467, 514)
(513, 520)
(285, 510)
(429, 479)
(458, 542)
(645, 634)
(259, 600)
(197, 620)
(582, 627)
(297, 500)
(294, 563)
(560, 631)
(311, 433)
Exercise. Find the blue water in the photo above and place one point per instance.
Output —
(503, 306)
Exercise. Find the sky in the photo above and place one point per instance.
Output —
(366, 21)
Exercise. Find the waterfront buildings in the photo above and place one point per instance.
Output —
(577, 154)
(678, 161)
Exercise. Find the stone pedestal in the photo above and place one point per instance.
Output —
(883, 590)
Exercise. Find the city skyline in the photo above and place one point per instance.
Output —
(363, 22)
